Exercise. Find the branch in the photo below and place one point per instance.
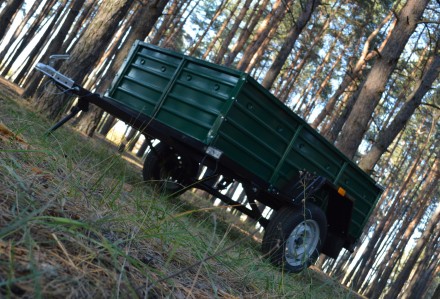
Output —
(396, 15)
(431, 105)
(428, 22)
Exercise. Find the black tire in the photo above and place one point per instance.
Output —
(294, 237)
(168, 170)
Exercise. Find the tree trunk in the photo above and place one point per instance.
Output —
(333, 128)
(40, 43)
(132, 143)
(377, 215)
(127, 139)
(217, 13)
(167, 21)
(320, 70)
(141, 151)
(290, 83)
(426, 273)
(396, 249)
(415, 253)
(220, 32)
(107, 125)
(142, 23)
(237, 21)
(106, 59)
(258, 55)
(386, 137)
(88, 50)
(353, 74)
(80, 25)
(18, 31)
(373, 86)
(171, 41)
(28, 36)
(292, 36)
(54, 47)
(326, 81)
(436, 292)
(270, 22)
(246, 32)
(7, 14)
(282, 91)
(385, 223)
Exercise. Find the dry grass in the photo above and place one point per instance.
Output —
(76, 222)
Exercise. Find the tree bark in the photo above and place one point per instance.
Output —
(126, 139)
(353, 74)
(142, 149)
(107, 124)
(18, 31)
(172, 41)
(372, 87)
(415, 253)
(396, 249)
(246, 32)
(88, 50)
(436, 292)
(290, 83)
(54, 46)
(258, 55)
(282, 91)
(40, 44)
(289, 42)
(224, 45)
(7, 14)
(37, 22)
(90, 7)
(271, 20)
(217, 13)
(386, 137)
(167, 21)
(142, 23)
(333, 128)
(384, 225)
(318, 94)
(321, 69)
(425, 273)
(107, 58)
(220, 32)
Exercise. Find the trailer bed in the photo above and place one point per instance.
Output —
(229, 111)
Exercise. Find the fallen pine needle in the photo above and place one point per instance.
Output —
(64, 250)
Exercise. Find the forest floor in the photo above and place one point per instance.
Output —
(77, 221)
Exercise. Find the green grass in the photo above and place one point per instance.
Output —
(77, 221)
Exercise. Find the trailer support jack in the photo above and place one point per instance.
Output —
(82, 105)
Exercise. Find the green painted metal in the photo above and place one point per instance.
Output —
(183, 93)
(229, 110)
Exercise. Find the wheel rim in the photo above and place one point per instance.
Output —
(302, 243)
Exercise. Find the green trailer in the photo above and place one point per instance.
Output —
(222, 122)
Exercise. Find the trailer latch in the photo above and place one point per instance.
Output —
(55, 75)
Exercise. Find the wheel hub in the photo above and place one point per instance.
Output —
(302, 243)
(299, 241)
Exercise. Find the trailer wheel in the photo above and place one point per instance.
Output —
(294, 237)
(169, 170)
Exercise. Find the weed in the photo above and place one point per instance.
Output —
(76, 221)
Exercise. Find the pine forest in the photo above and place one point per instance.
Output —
(364, 74)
